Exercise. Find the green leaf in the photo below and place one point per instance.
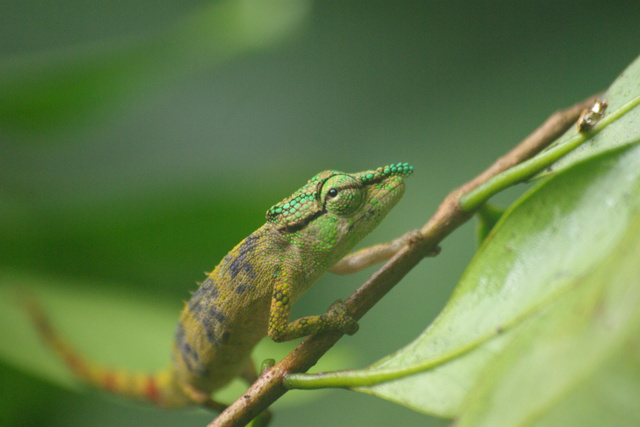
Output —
(52, 90)
(577, 363)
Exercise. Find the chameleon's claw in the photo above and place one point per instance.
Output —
(340, 320)
(435, 251)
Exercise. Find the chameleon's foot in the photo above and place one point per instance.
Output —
(339, 320)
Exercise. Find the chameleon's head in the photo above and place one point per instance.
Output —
(335, 210)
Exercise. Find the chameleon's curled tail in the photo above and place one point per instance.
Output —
(158, 388)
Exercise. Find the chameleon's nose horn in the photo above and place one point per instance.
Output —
(399, 169)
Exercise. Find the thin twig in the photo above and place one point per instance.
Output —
(269, 387)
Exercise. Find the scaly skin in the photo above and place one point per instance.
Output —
(250, 293)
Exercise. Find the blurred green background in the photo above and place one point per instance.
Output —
(135, 152)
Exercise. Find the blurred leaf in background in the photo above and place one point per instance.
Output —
(44, 91)
(139, 141)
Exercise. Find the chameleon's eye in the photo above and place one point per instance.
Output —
(342, 194)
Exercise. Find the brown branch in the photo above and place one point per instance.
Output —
(269, 387)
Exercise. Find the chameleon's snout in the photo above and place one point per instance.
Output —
(385, 187)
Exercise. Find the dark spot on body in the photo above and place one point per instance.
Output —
(187, 353)
(212, 322)
(213, 312)
(241, 288)
(207, 290)
(242, 261)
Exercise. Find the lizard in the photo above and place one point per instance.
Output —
(250, 293)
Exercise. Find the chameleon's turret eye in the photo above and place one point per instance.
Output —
(342, 194)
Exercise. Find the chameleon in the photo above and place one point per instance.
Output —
(250, 293)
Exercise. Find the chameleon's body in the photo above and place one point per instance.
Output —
(250, 293)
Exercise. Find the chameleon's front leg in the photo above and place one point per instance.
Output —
(280, 329)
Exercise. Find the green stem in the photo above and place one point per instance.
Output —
(475, 198)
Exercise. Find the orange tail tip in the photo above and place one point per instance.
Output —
(158, 388)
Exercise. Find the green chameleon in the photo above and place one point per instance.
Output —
(250, 293)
